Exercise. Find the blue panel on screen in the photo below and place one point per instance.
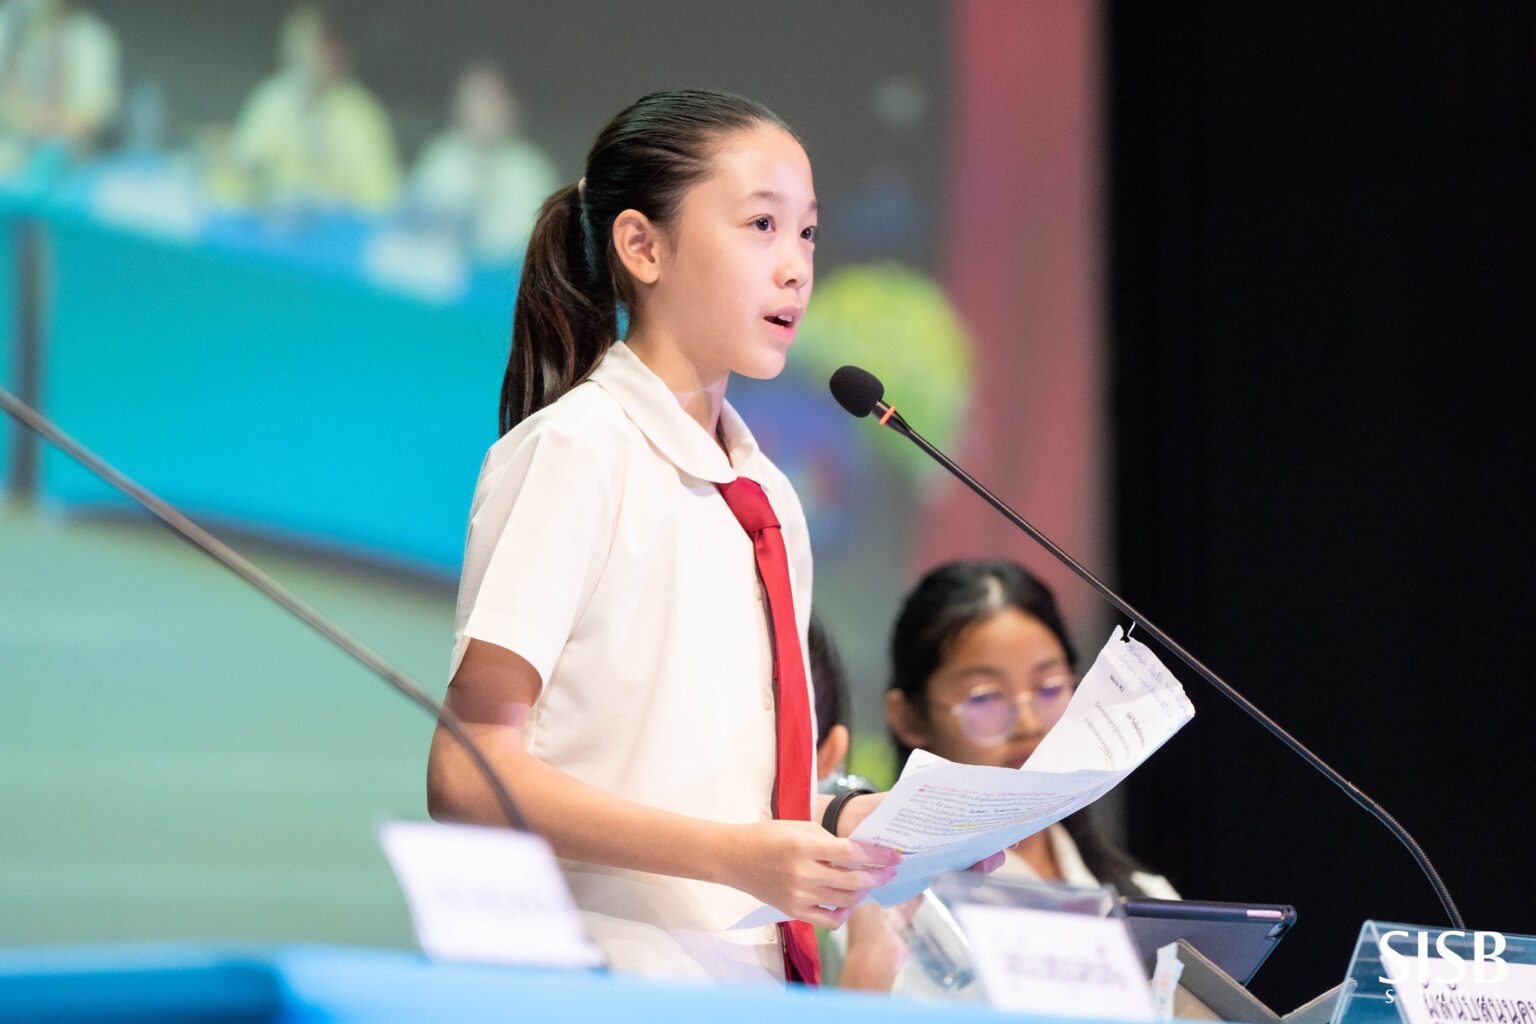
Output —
(323, 408)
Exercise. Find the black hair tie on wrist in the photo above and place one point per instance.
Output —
(835, 808)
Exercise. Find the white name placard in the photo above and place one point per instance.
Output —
(486, 895)
(1056, 964)
(1447, 991)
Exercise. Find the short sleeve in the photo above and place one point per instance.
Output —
(539, 535)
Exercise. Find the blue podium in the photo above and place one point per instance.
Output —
(212, 982)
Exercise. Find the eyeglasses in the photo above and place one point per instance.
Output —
(989, 714)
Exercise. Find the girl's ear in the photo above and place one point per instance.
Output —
(638, 242)
(907, 723)
(832, 751)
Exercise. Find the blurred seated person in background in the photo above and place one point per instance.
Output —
(58, 77)
(981, 671)
(312, 135)
(870, 948)
(481, 176)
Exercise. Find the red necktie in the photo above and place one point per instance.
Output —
(792, 786)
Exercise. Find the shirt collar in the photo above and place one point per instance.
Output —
(651, 406)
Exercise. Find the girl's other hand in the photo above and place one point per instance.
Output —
(975, 876)
(801, 870)
(991, 864)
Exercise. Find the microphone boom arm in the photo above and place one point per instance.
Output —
(889, 417)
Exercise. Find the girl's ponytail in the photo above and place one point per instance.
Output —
(566, 315)
(645, 159)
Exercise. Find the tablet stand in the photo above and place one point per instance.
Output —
(1206, 992)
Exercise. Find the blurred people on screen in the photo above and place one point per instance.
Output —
(58, 78)
(310, 134)
(481, 176)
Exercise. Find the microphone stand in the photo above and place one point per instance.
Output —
(889, 417)
(240, 566)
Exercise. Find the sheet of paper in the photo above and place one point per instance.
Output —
(764, 914)
(947, 816)
(1437, 989)
(1126, 707)
(1165, 979)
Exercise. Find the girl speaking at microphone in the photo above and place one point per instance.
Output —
(630, 634)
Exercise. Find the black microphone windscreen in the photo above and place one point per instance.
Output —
(857, 390)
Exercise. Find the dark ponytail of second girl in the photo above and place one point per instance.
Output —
(645, 159)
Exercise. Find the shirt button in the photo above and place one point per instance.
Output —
(767, 698)
(768, 812)
(770, 933)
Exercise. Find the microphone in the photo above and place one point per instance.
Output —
(861, 393)
(240, 566)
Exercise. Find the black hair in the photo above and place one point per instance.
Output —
(828, 680)
(645, 159)
(952, 598)
(947, 602)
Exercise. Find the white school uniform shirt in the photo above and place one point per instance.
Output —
(600, 551)
(1075, 872)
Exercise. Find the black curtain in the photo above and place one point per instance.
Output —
(1322, 294)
